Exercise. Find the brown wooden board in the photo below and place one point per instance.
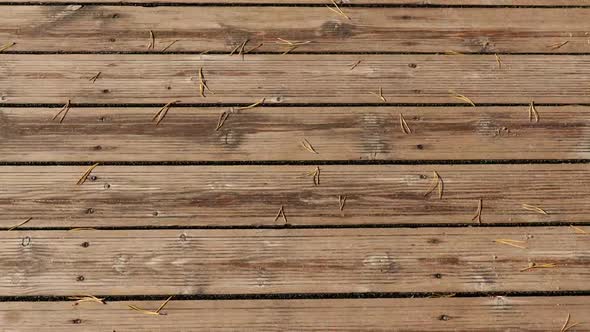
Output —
(294, 79)
(247, 261)
(123, 196)
(343, 3)
(278, 133)
(422, 314)
(77, 28)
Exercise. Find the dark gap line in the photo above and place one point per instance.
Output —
(200, 52)
(326, 226)
(286, 4)
(302, 296)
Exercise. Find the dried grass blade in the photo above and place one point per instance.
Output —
(567, 321)
(87, 298)
(63, 110)
(404, 125)
(163, 111)
(203, 83)
(461, 97)
(252, 105)
(354, 65)
(451, 52)
(6, 46)
(499, 61)
(86, 174)
(337, 10)
(143, 311)
(170, 45)
(579, 230)
(534, 208)
(95, 77)
(254, 48)
(437, 182)
(305, 143)
(222, 117)
(19, 225)
(533, 114)
(509, 242)
(163, 305)
(380, 95)
(477, 215)
(558, 45)
(281, 213)
(316, 176)
(341, 202)
(152, 43)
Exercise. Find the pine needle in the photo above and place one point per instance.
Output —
(292, 43)
(169, 45)
(558, 45)
(354, 65)
(19, 225)
(404, 125)
(533, 265)
(461, 97)
(316, 176)
(152, 43)
(477, 215)
(63, 110)
(305, 143)
(95, 77)
(451, 52)
(6, 46)
(149, 312)
(513, 243)
(159, 116)
(534, 208)
(337, 10)
(341, 202)
(87, 298)
(281, 213)
(567, 321)
(222, 117)
(533, 114)
(499, 61)
(241, 52)
(203, 84)
(254, 48)
(437, 182)
(251, 106)
(579, 230)
(86, 174)
(380, 95)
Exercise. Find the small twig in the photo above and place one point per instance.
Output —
(337, 10)
(437, 182)
(461, 97)
(534, 208)
(203, 84)
(513, 243)
(95, 77)
(251, 106)
(6, 46)
(341, 202)
(86, 174)
(316, 176)
(354, 65)
(305, 143)
(533, 265)
(404, 125)
(159, 116)
(152, 43)
(149, 312)
(170, 45)
(533, 114)
(579, 230)
(477, 215)
(499, 61)
(87, 298)
(63, 110)
(22, 223)
(222, 117)
(281, 213)
(380, 95)
(558, 45)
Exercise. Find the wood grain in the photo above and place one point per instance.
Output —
(291, 261)
(336, 133)
(123, 196)
(293, 78)
(540, 3)
(77, 28)
(436, 314)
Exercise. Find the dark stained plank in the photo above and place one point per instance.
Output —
(336, 133)
(293, 78)
(420, 314)
(253, 261)
(77, 28)
(123, 196)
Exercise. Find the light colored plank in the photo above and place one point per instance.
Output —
(436, 314)
(291, 261)
(76, 28)
(567, 3)
(293, 78)
(335, 133)
(119, 196)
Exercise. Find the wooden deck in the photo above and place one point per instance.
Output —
(282, 166)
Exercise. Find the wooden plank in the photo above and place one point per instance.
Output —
(73, 28)
(250, 261)
(335, 133)
(122, 196)
(436, 314)
(293, 78)
(343, 3)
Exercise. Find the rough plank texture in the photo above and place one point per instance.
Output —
(336, 133)
(196, 29)
(291, 261)
(541, 3)
(436, 314)
(294, 78)
(252, 195)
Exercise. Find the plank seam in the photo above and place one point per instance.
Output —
(200, 52)
(287, 4)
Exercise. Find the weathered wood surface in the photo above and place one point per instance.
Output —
(293, 78)
(77, 28)
(421, 314)
(116, 196)
(336, 133)
(541, 3)
(291, 261)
